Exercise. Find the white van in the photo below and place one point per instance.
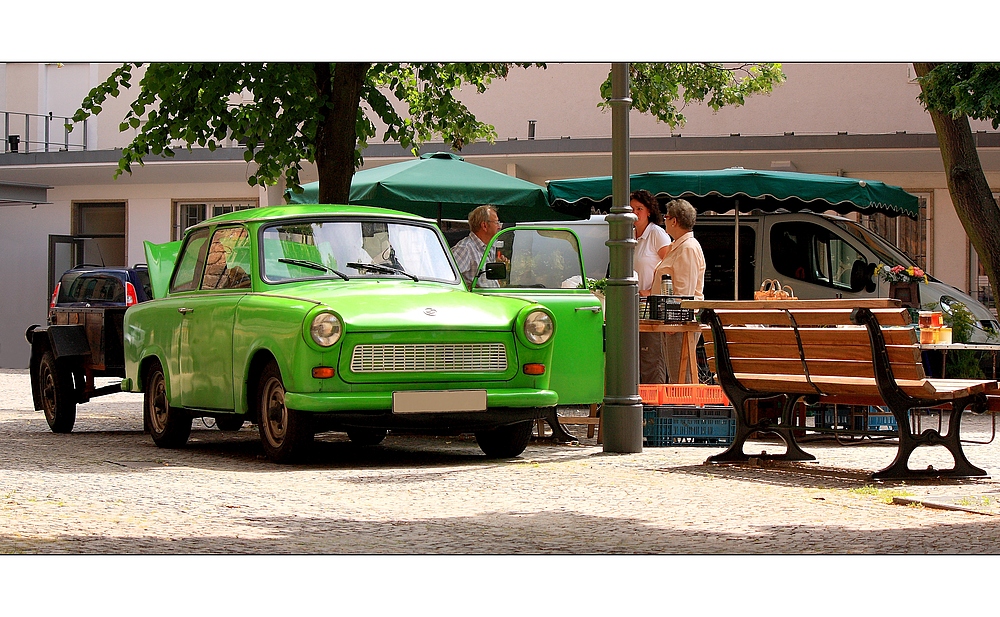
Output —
(818, 255)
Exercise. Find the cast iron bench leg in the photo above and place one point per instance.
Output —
(735, 454)
(908, 442)
(793, 451)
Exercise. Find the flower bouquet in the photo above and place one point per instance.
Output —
(899, 274)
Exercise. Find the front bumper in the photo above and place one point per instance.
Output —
(333, 402)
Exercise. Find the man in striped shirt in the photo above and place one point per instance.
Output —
(483, 225)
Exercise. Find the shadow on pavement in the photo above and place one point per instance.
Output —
(507, 533)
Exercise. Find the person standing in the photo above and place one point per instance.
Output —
(685, 263)
(483, 225)
(651, 246)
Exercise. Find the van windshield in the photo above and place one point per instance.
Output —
(886, 252)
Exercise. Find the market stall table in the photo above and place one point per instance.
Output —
(689, 358)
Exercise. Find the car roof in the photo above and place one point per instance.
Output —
(91, 268)
(267, 213)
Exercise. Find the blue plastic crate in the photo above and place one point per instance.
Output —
(660, 431)
(878, 422)
(717, 411)
(670, 411)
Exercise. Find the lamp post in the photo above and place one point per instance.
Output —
(622, 405)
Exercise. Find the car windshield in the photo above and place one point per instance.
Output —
(342, 249)
(883, 249)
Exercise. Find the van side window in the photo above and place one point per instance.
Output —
(811, 253)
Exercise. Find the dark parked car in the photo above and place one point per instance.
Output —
(83, 338)
(98, 286)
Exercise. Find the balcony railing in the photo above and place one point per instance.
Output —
(25, 133)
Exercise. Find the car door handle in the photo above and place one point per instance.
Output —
(184, 311)
(594, 309)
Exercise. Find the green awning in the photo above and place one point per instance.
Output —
(441, 185)
(718, 191)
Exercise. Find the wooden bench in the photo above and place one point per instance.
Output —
(846, 356)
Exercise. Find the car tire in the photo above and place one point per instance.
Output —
(169, 426)
(286, 434)
(55, 382)
(230, 423)
(367, 436)
(506, 441)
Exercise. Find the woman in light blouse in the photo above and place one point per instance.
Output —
(651, 245)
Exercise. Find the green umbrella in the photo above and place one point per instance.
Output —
(740, 189)
(441, 185)
(721, 190)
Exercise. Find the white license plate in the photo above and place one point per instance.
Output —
(438, 401)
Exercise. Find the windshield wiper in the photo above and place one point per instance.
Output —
(380, 268)
(315, 266)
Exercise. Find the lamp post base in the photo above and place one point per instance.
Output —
(622, 428)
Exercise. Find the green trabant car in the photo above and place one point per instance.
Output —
(304, 319)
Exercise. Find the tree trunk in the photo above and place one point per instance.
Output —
(336, 135)
(970, 192)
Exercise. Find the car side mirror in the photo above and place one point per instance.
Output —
(861, 276)
(496, 271)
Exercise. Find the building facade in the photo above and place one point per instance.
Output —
(855, 120)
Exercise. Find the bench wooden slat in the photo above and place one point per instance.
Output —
(809, 317)
(793, 366)
(818, 336)
(933, 389)
(898, 354)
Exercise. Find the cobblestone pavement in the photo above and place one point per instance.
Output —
(106, 489)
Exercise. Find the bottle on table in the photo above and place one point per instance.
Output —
(666, 285)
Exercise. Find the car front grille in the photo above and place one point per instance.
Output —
(469, 358)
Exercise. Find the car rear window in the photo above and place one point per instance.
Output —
(86, 287)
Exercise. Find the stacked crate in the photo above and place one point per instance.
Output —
(686, 415)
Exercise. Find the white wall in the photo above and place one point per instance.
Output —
(24, 233)
(815, 98)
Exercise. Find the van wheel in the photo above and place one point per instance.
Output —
(169, 426)
(285, 433)
(506, 441)
(58, 396)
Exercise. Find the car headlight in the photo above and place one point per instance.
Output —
(325, 329)
(538, 327)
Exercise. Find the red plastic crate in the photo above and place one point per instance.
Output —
(710, 395)
(650, 393)
(679, 394)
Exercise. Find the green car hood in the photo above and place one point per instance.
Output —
(395, 305)
(160, 260)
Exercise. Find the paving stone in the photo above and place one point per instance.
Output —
(107, 489)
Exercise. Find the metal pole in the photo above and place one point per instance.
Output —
(622, 406)
(736, 255)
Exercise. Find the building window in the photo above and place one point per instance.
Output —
(101, 227)
(188, 213)
(909, 235)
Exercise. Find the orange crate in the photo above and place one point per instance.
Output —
(710, 395)
(678, 394)
(650, 393)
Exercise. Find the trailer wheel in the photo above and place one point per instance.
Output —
(58, 397)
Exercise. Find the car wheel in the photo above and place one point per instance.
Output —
(367, 436)
(505, 441)
(169, 426)
(229, 423)
(58, 396)
(285, 433)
